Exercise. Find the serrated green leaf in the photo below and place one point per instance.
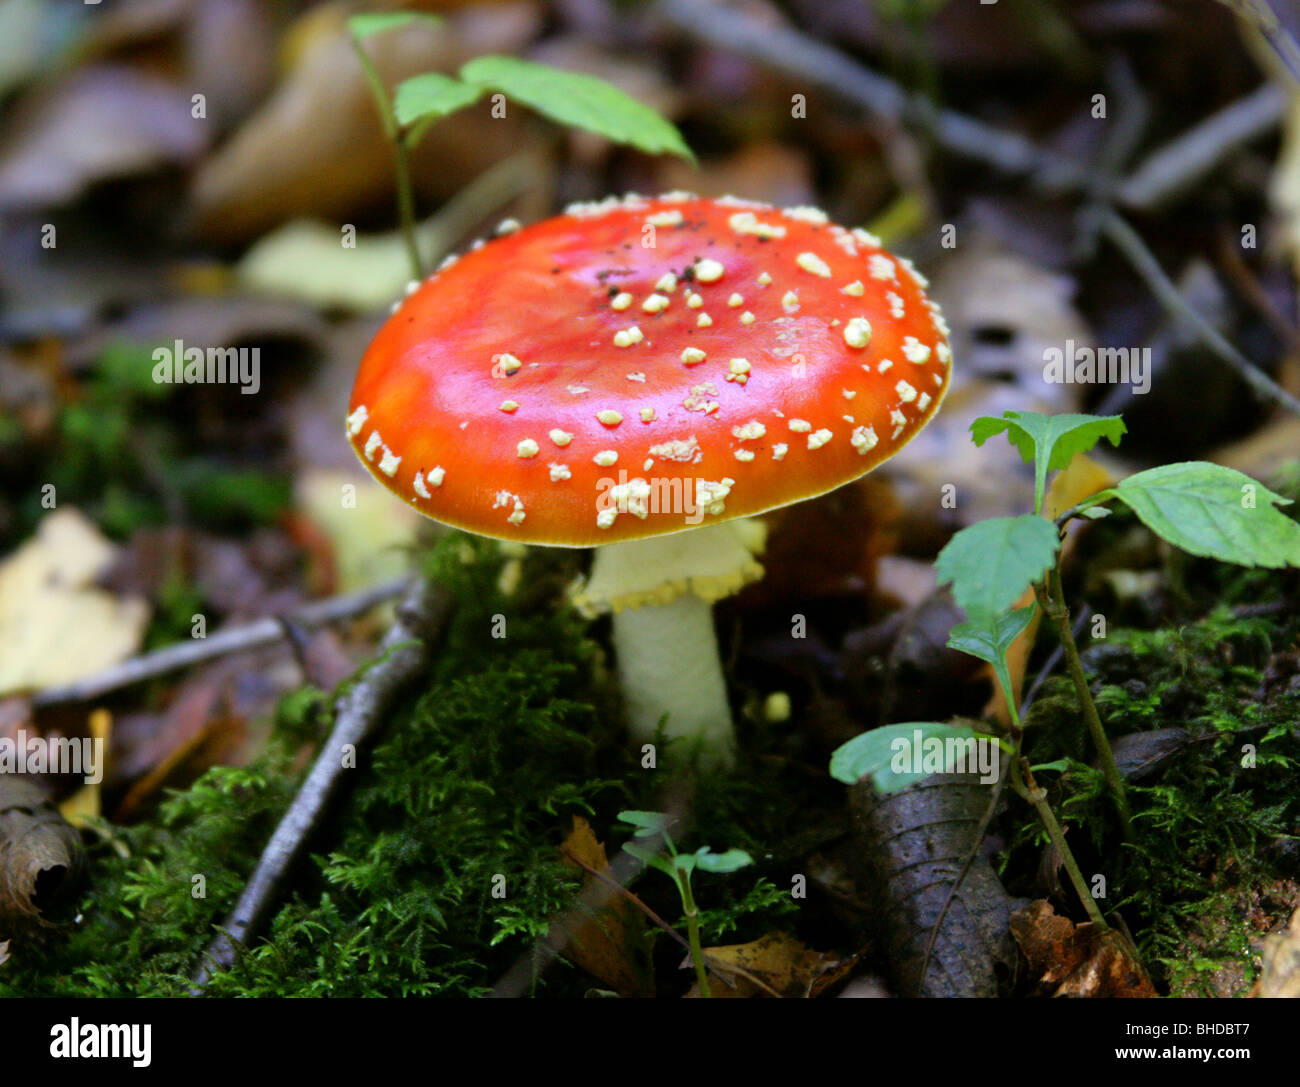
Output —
(874, 754)
(989, 639)
(363, 26)
(431, 95)
(1050, 441)
(583, 101)
(1216, 512)
(991, 563)
(730, 861)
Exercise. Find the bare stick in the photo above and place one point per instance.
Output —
(404, 652)
(254, 635)
(1134, 248)
(1184, 160)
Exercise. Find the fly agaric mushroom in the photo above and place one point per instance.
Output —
(638, 375)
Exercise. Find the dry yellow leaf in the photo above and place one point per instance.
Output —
(55, 626)
(773, 965)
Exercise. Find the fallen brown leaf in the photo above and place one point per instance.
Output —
(102, 122)
(315, 146)
(1066, 959)
(609, 943)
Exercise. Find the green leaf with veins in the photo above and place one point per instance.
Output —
(730, 861)
(1050, 441)
(1216, 512)
(579, 100)
(991, 563)
(988, 638)
(647, 823)
(650, 858)
(431, 96)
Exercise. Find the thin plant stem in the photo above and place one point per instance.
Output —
(1038, 799)
(693, 933)
(1051, 597)
(401, 159)
(406, 207)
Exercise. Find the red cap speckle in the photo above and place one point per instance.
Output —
(562, 385)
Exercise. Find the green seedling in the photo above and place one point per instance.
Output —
(1204, 509)
(568, 98)
(678, 867)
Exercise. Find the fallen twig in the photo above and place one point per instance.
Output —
(421, 618)
(1260, 16)
(1170, 169)
(254, 635)
(1145, 264)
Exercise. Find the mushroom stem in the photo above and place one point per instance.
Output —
(668, 664)
(661, 590)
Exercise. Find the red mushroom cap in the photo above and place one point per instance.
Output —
(639, 366)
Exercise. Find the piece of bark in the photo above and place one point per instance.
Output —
(41, 856)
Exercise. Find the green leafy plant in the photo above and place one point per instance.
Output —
(679, 867)
(568, 98)
(1204, 509)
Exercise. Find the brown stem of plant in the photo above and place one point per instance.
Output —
(1051, 598)
(1038, 799)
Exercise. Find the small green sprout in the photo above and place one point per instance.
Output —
(678, 867)
(568, 98)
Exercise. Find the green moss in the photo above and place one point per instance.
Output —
(465, 797)
(1215, 826)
